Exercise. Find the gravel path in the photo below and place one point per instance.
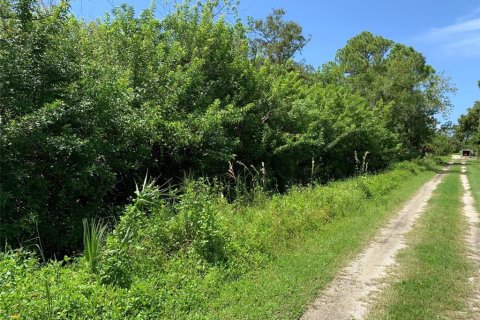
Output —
(347, 296)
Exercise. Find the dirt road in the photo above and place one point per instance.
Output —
(473, 239)
(347, 295)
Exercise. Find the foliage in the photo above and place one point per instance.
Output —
(443, 145)
(223, 117)
(276, 39)
(87, 108)
(396, 79)
(171, 253)
(94, 233)
(468, 129)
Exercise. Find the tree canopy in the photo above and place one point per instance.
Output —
(276, 39)
(88, 108)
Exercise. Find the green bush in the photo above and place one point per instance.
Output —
(172, 250)
(87, 108)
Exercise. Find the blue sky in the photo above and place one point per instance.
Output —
(447, 32)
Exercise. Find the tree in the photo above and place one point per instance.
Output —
(276, 39)
(469, 126)
(397, 79)
(88, 108)
(444, 141)
(39, 64)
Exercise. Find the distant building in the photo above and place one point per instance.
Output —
(466, 152)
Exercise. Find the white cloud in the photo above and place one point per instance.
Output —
(460, 38)
(475, 13)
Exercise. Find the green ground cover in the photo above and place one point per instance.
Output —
(202, 257)
(431, 279)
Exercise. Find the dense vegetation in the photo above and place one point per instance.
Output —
(202, 257)
(467, 132)
(236, 143)
(88, 108)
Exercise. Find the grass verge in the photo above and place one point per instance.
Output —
(473, 173)
(283, 288)
(204, 258)
(431, 278)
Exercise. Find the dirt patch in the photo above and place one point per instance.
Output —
(473, 241)
(348, 295)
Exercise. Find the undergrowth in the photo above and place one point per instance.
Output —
(169, 255)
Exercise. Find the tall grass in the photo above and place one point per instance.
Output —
(193, 252)
(94, 234)
(48, 293)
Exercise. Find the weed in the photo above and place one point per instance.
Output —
(48, 293)
(190, 253)
(94, 234)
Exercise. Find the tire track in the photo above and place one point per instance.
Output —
(348, 295)
(472, 239)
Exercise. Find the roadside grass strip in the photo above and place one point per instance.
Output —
(298, 242)
(284, 288)
(471, 200)
(473, 174)
(431, 278)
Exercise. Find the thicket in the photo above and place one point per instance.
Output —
(467, 132)
(170, 256)
(88, 108)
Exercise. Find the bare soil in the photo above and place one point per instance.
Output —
(348, 295)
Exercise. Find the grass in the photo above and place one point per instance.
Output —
(283, 288)
(94, 234)
(431, 278)
(271, 258)
(473, 173)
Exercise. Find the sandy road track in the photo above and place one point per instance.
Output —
(346, 296)
(472, 238)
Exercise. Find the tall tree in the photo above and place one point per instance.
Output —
(397, 79)
(277, 39)
(468, 128)
(88, 108)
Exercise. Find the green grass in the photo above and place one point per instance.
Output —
(271, 258)
(431, 279)
(283, 288)
(94, 233)
(473, 173)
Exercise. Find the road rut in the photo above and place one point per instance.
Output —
(473, 240)
(348, 295)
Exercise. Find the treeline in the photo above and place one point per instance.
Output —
(467, 132)
(88, 108)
